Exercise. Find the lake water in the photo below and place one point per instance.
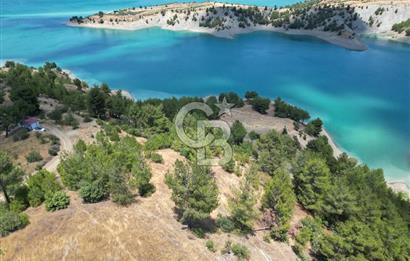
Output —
(363, 97)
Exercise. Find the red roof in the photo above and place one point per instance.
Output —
(30, 120)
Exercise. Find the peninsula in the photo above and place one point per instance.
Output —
(339, 23)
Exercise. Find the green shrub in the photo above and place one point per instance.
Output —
(93, 192)
(33, 156)
(157, 158)
(241, 251)
(57, 200)
(251, 94)
(210, 245)
(54, 139)
(225, 224)
(238, 132)
(53, 150)
(20, 134)
(199, 232)
(280, 233)
(122, 199)
(11, 221)
(260, 104)
(20, 200)
(253, 135)
(39, 185)
(229, 166)
(70, 120)
(158, 141)
(56, 115)
(314, 127)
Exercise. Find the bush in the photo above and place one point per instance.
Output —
(56, 115)
(280, 233)
(33, 156)
(157, 158)
(314, 127)
(158, 141)
(229, 166)
(11, 221)
(238, 132)
(284, 110)
(53, 150)
(253, 135)
(260, 104)
(20, 134)
(199, 232)
(70, 120)
(225, 224)
(57, 200)
(241, 251)
(251, 94)
(93, 192)
(210, 245)
(39, 185)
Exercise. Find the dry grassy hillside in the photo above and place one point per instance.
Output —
(146, 230)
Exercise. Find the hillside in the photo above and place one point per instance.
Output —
(338, 22)
(128, 186)
(146, 230)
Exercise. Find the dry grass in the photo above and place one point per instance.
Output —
(18, 150)
(146, 230)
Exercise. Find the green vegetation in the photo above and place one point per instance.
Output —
(57, 200)
(11, 221)
(39, 185)
(107, 169)
(402, 27)
(284, 110)
(238, 132)
(260, 104)
(93, 192)
(314, 127)
(33, 156)
(210, 245)
(194, 192)
(275, 150)
(280, 198)
(240, 251)
(354, 214)
(10, 177)
(242, 206)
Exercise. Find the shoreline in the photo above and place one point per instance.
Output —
(329, 37)
(398, 186)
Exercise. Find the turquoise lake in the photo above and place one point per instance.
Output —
(363, 97)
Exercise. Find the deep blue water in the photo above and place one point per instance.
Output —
(363, 97)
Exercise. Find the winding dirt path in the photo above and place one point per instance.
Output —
(66, 145)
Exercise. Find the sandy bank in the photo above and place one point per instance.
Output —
(330, 37)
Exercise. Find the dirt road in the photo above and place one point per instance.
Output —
(66, 145)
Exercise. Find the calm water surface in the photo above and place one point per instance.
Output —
(363, 97)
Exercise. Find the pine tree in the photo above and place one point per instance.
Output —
(312, 182)
(279, 197)
(238, 132)
(242, 206)
(194, 192)
(10, 176)
(96, 102)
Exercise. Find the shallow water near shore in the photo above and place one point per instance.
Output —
(363, 97)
